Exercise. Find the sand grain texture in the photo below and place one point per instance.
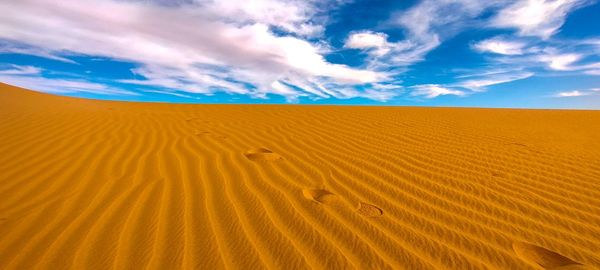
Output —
(91, 184)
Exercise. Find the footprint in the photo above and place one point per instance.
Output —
(320, 196)
(323, 196)
(523, 146)
(191, 119)
(262, 154)
(517, 144)
(369, 210)
(540, 256)
(498, 174)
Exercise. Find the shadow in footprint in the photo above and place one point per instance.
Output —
(262, 154)
(540, 256)
(369, 210)
(320, 196)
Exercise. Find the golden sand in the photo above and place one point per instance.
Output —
(87, 184)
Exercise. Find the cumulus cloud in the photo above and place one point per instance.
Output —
(434, 90)
(540, 18)
(200, 46)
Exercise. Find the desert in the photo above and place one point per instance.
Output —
(91, 184)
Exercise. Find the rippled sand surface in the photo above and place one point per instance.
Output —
(88, 184)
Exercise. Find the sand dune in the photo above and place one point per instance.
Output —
(98, 185)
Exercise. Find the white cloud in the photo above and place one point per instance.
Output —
(385, 95)
(290, 15)
(202, 47)
(30, 77)
(375, 42)
(61, 86)
(430, 22)
(499, 46)
(575, 93)
(434, 90)
(595, 72)
(20, 70)
(579, 93)
(264, 47)
(590, 69)
(170, 93)
(470, 83)
(540, 18)
(284, 90)
(556, 55)
(560, 61)
(39, 52)
(479, 83)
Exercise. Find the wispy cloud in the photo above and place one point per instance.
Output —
(579, 93)
(170, 93)
(202, 45)
(560, 61)
(542, 18)
(20, 70)
(500, 46)
(63, 86)
(279, 47)
(470, 83)
(595, 72)
(375, 43)
(31, 78)
(434, 90)
(298, 17)
(430, 22)
(12, 47)
(478, 83)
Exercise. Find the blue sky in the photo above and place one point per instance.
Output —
(527, 53)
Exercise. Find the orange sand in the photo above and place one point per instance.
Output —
(88, 184)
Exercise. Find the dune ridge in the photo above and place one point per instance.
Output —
(88, 184)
